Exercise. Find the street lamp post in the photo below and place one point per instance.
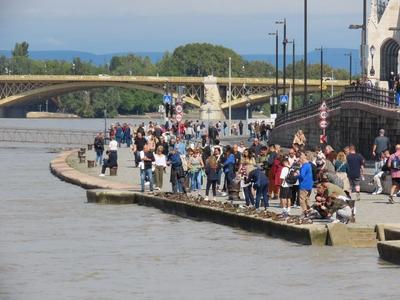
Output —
(276, 60)
(73, 68)
(322, 69)
(285, 42)
(372, 51)
(293, 64)
(305, 52)
(105, 125)
(350, 55)
(230, 95)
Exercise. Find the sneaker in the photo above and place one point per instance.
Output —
(206, 198)
(223, 194)
(102, 175)
(391, 201)
(379, 191)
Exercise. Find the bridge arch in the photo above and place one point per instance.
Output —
(65, 88)
(389, 54)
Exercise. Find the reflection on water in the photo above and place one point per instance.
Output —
(53, 245)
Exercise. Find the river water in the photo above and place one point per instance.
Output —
(54, 245)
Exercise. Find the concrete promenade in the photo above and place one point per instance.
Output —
(371, 210)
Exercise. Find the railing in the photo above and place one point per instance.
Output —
(47, 136)
(375, 96)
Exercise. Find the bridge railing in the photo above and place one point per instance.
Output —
(375, 96)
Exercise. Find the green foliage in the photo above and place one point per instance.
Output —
(21, 49)
(197, 59)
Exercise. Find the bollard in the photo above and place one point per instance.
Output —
(80, 153)
(113, 171)
(89, 147)
(83, 150)
(90, 163)
(82, 159)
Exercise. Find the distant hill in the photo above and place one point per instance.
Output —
(332, 56)
(97, 59)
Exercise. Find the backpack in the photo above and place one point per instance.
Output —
(291, 177)
(395, 164)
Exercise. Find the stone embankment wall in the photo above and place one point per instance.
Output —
(353, 123)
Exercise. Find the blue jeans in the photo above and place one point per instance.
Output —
(99, 157)
(195, 179)
(248, 195)
(262, 190)
(149, 174)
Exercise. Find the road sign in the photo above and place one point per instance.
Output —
(323, 106)
(284, 99)
(323, 139)
(179, 108)
(323, 115)
(323, 124)
(167, 99)
(178, 117)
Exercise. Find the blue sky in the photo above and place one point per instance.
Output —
(106, 26)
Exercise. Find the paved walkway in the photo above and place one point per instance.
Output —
(371, 209)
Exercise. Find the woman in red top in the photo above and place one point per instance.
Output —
(274, 180)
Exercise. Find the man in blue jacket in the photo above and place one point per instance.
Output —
(306, 183)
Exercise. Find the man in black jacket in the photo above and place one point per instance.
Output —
(99, 148)
(111, 162)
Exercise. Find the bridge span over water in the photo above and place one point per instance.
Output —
(202, 92)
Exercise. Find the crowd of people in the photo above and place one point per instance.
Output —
(257, 171)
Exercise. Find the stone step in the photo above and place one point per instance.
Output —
(364, 243)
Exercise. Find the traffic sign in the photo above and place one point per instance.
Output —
(284, 99)
(323, 106)
(179, 108)
(323, 114)
(323, 124)
(178, 117)
(167, 99)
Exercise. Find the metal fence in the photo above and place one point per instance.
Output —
(375, 96)
(47, 136)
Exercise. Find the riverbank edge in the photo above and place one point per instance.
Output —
(104, 192)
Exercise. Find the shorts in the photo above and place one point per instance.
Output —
(396, 181)
(354, 181)
(285, 193)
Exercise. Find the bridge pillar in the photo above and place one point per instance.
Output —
(211, 109)
(2, 113)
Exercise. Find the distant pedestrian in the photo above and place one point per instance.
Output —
(306, 182)
(240, 127)
(99, 148)
(394, 163)
(211, 170)
(146, 165)
(355, 172)
(381, 143)
(160, 164)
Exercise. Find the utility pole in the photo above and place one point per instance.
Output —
(305, 53)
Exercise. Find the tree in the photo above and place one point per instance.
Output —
(21, 49)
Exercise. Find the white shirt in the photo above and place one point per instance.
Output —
(160, 160)
(284, 173)
(113, 146)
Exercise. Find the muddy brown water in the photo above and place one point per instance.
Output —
(54, 245)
